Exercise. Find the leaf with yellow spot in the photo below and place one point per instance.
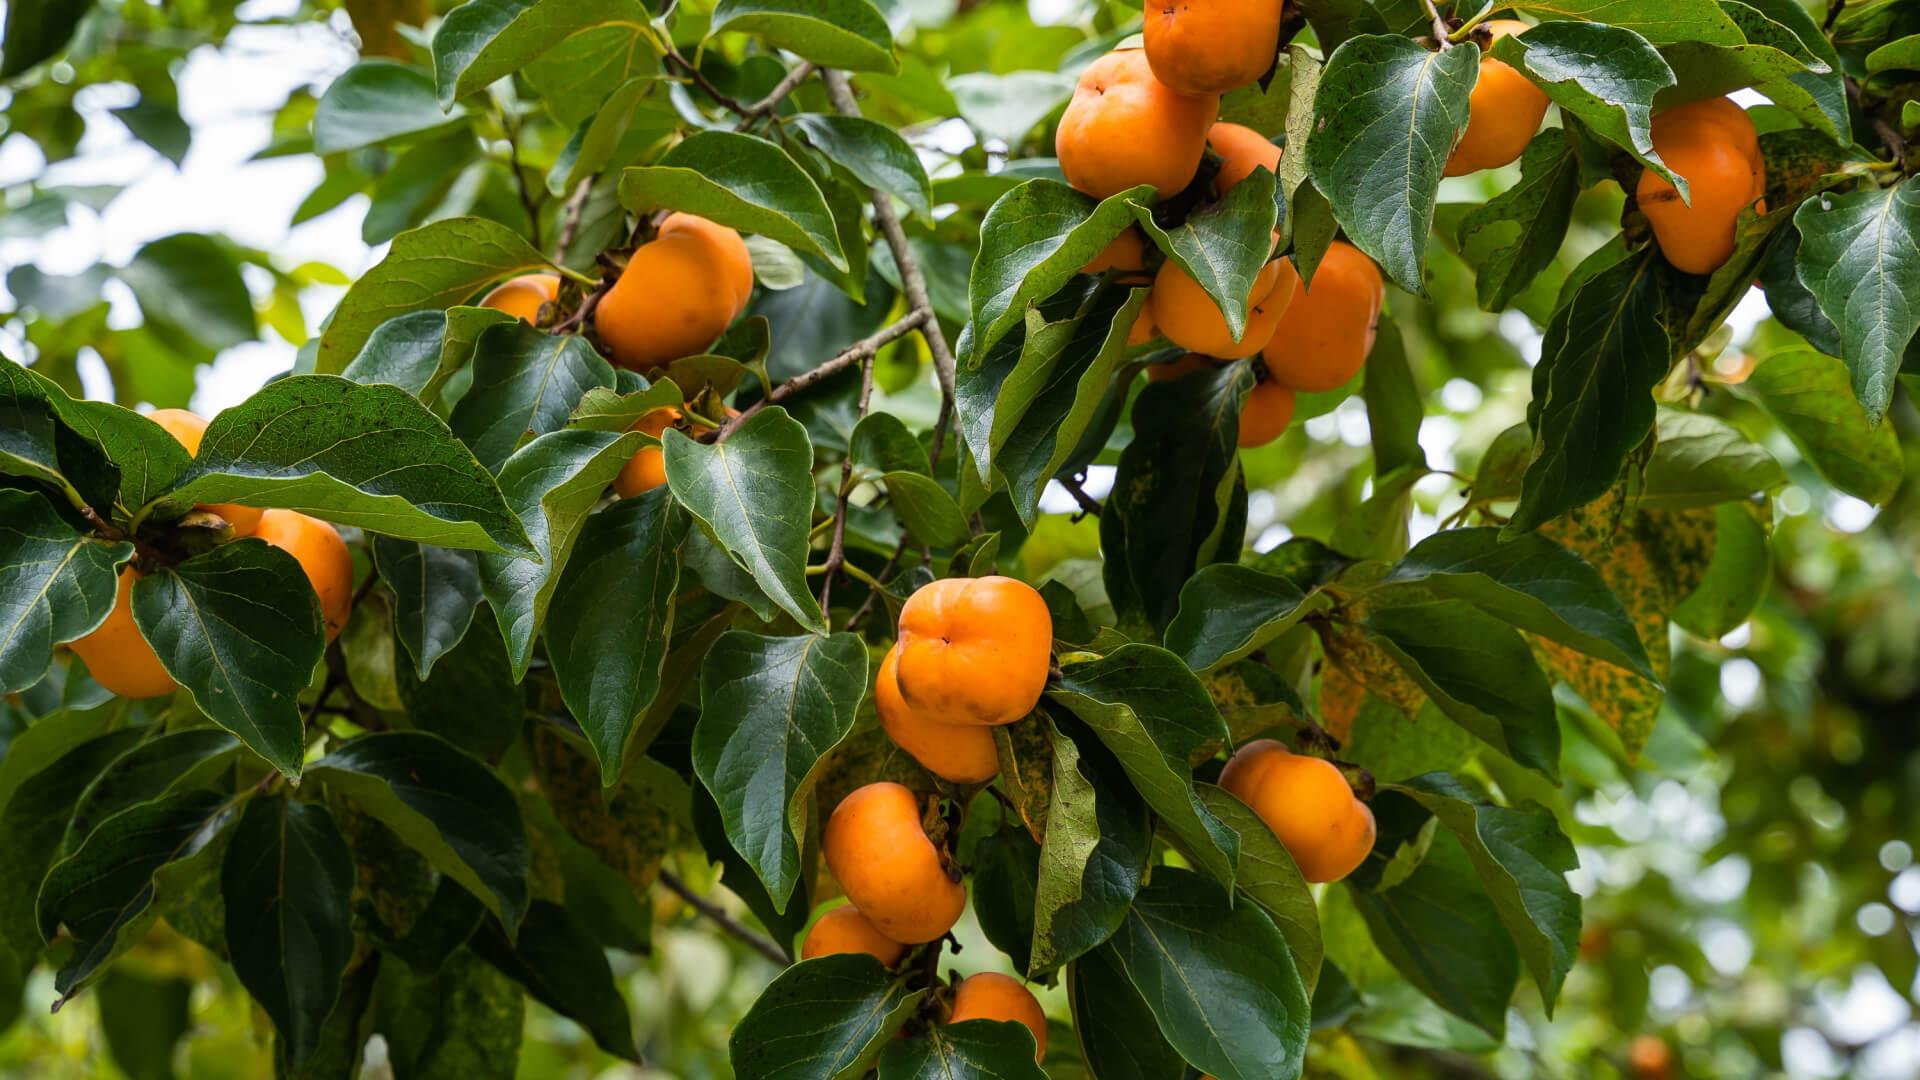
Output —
(1352, 652)
(1026, 771)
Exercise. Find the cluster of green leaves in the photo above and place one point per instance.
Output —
(549, 693)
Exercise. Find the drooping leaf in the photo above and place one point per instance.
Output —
(609, 669)
(970, 1050)
(1516, 234)
(850, 34)
(770, 708)
(1267, 874)
(1387, 113)
(55, 585)
(36, 30)
(436, 591)
(1660, 23)
(187, 760)
(565, 970)
(1700, 460)
(444, 804)
(464, 1019)
(741, 181)
(190, 284)
(368, 456)
(1227, 611)
(754, 494)
(470, 700)
(1736, 578)
(1119, 1034)
(1607, 76)
(1094, 858)
(1858, 254)
(822, 1019)
(1005, 865)
(143, 1018)
(1808, 395)
(875, 153)
(478, 44)
(420, 350)
(376, 101)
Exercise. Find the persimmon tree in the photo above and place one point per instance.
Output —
(697, 500)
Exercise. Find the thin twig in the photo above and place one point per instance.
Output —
(856, 353)
(837, 554)
(570, 218)
(1833, 16)
(765, 946)
(527, 200)
(1441, 32)
(730, 103)
(1889, 138)
(911, 280)
(335, 677)
(1088, 504)
(873, 595)
(766, 105)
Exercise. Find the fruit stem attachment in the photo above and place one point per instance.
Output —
(1442, 37)
(766, 105)
(765, 946)
(1465, 29)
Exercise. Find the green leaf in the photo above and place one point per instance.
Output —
(190, 285)
(1005, 866)
(1700, 460)
(368, 456)
(611, 410)
(609, 670)
(143, 1018)
(927, 510)
(1900, 54)
(1736, 578)
(1394, 406)
(1179, 499)
(525, 383)
(822, 1019)
(1807, 393)
(436, 590)
(1605, 350)
(176, 761)
(991, 398)
(1218, 978)
(103, 893)
(481, 43)
(1269, 876)
(1228, 611)
(600, 136)
(1098, 839)
(850, 34)
(288, 885)
(770, 709)
(239, 628)
(754, 494)
(1530, 582)
(1516, 234)
(969, 1050)
(464, 1020)
(437, 265)
(471, 699)
(874, 153)
(159, 125)
(1606, 76)
(55, 585)
(377, 101)
(576, 75)
(420, 350)
(1658, 21)
(1859, 255)
(1154, 716)
(741, 181)
(1393, 112)
(565, 970)
(443, 804)
(1118, 1033)
(1479, 672)
(117, 458)
(36, 30)
(1522, 860)
(1437, 925)
(1223, 246)
(1033, 240)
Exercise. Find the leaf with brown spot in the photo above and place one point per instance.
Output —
(1350, 651)
(1026, 771)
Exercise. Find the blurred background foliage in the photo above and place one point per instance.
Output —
(1752, 898)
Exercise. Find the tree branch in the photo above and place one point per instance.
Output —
(570, 218)
(856, 353)
(761, 944)
(766, 105)
(730, 103)
(911, 280)
(837, 554)
(1088, 504)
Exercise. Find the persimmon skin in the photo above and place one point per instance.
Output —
(1713, 145)
(1124, 128)
(188, 429)
(962, 753)
(1211, 46)
(1327, 330)
(845, 930)
(1307, 804)
(324, 557)
(1125, 252)
(993, 996)
(1143, 329)
(1180, 368)
(1190, 319)
(728, 250)
(1241, 151)
(1268, 411)
(1504, 112)
(522, 297)
(677, 294)
(647, 469)
(880, 854)
(116, 653)
(974, 650)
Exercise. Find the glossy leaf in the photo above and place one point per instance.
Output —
(1857, 252)
(55, 585)
(1516, 234)
(850, 34)
(436, 592)
(1267, 874)
(420, 350)
(1227, 611)
(478, 44)
(822, 1019)
(525, 384)
(1607, 76)
(741, 181)
(1118, 1033)
(1808, 395)
(1094, 857)
(1222, 247)
(873, 152)
(970, 1050)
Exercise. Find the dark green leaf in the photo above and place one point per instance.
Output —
(566, 970)
(822, 1019)
(55, 585)
(1394, 406)
(770, 708)
(1387, 114)
(970, 1050)
(1700, 460)
(1517, 233)
(158, 125)
(873, 152)
(1228, 611)
(436, 590)
(373, 102)
(1119, 1034)
(190, 285)
(1606, 76)
(471, 699)
(754, 494)
(1807, 394)
(850, 34)
(288, 886)
(1859, 255)
(478, 44)
(463, 1021)
(167, 762)
(36, 30)
(418, 351)
(1736, 579)
(1222, 247)
(144, 1018)
(1099, 836)
(444, 804)
(741, 181)
(525, 384)
(1269, 876)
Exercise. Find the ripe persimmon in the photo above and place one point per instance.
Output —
(993, 996)
(845, 930)
(677, 294)
(1190, 319)
(1123, 128)
(1211, 46)
(116, 653)
(1504, 111)
(1713, 145)
(647, 469)
(1327, 330)
(1307, 804)
(1241, 151)
(1127, 251)
(974, 650)
(322, 554)
(962, 753)
(1265, 416)
(1143, 330)
(880, 853)
(522, 297)
(188, 429)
